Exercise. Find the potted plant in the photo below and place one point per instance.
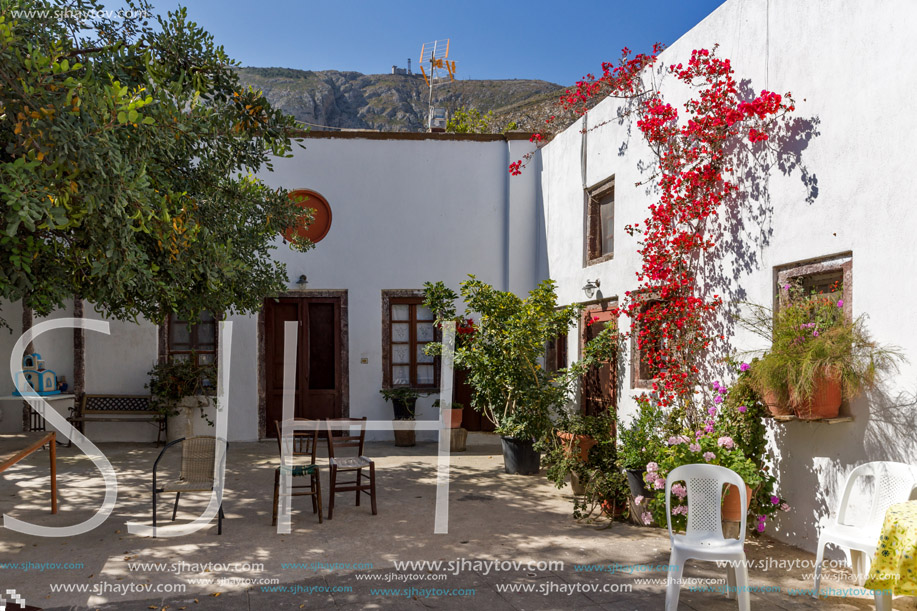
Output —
(733, 436)
(404, 402)
(403, 399)
(451, 415)
(818, 357)
(640, 443)
(179, 387)
(583, 447)
(705, 449)
(511, 388)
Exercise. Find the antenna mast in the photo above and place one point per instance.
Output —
(436, 54)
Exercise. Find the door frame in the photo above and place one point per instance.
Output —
(590, 308)
(344, 365)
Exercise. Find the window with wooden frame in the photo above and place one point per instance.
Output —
(600, 214)
(555, 353)
(407, 329)
(195, 340)
(642, 371)
(827, 276)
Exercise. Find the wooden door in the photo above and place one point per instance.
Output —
(599, 389)
(319, 379)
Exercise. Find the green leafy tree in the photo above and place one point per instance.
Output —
(128, 149)
(473, 121)
(511, 387)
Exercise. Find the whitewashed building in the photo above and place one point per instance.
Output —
(407, 208)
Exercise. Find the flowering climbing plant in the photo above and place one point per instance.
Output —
(696, 152)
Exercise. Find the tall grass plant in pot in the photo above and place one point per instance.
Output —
(818, 355)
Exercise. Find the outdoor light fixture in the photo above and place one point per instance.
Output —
(590, 287)
(302, 282)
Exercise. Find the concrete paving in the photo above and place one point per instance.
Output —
(349, 562)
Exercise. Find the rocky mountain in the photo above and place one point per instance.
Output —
(393, 102)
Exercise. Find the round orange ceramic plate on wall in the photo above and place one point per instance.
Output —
(321, 223)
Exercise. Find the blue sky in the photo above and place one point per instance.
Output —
(536, 39)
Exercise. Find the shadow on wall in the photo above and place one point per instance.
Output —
(744, 227)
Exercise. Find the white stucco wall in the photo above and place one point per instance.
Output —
(404, 211)
(850, 192)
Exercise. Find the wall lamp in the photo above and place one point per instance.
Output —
(302, 282)
(590, 287)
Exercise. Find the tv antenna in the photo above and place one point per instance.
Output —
(435, 55)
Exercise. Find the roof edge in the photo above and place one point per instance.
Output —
(375, 135)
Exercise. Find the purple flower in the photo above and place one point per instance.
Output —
(726, 442)
(694, 447)
(775, 500)
(679, 490)
(712, 411)
(698, 433)
(744, 367)
(743, 409)
(840, 303)
(815, 333)
(708, 456)
(760, 527)
(717, 399)
(786, 287)
(708, 427)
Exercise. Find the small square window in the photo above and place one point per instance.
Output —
(831, 276)
(185, 339)
(600, 213)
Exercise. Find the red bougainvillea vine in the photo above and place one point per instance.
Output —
(672, 314)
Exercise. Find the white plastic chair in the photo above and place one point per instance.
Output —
(703, 539)
(892, 483)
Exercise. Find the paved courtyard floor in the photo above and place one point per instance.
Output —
(350, 562)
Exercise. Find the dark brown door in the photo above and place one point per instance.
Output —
(318, 363)
(599, 389)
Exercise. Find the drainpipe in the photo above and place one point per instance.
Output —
(506, 216)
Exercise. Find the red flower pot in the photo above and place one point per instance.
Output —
(825, 403)
(774, 405)
(453, 417)
(584, 442)
(732, 503)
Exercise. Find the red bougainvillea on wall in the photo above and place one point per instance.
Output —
(696, 151)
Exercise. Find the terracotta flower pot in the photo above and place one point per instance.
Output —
(774, 405)
(584, 442)
(453, 417)
(825, 403)
(732, 503)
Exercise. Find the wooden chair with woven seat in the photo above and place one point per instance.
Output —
(196, 475)
(356, 464)
(305, 443)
